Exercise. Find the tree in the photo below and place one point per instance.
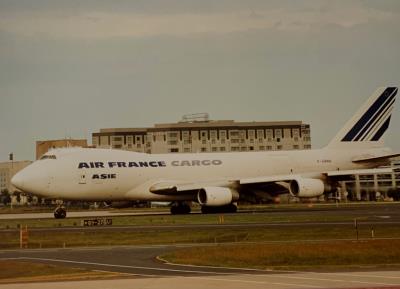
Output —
(5, 197)
(394, 193)
(18, 196)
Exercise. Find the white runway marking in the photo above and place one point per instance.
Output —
(293, 275)
(176, 270)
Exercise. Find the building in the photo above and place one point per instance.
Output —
(206, 135)
(7, 171)
(43, 147)
(372, 187)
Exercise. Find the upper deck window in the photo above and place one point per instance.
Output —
(48, 157)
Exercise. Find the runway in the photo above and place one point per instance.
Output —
(378, 210)
(145, 271)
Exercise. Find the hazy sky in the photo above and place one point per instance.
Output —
(69, 68)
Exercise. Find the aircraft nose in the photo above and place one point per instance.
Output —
(18, 181)
(32, 179)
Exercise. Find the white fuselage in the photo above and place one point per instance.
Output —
(101, 174)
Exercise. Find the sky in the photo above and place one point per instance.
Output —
(69, 68)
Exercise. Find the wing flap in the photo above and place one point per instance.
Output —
(268, 179)
(177, 187)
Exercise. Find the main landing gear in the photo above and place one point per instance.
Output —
(60, 212)
(180, 208)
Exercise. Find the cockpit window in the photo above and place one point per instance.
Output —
(48, 157)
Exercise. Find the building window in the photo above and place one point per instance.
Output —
(269, 148)
(251, 148)
(174, 150)
(213, 134)
(186, 150)
(222, 149)
(172, 142)
(234, 133)
(214, 149)
(234, 149)
(278, 140)
(129, 139)
(95, 141)
(307, 146)
(262, 148)
(172, 134)
(203, 149)
(296, 147)
(279, 147)
(250, 134)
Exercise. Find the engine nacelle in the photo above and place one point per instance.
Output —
(216, 196)
(306, 188)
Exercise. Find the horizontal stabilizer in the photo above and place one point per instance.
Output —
(367, 159)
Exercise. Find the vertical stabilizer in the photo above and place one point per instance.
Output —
(368, 126)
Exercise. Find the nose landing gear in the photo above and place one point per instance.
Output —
(60, 212)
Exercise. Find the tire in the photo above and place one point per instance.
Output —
(60, 213)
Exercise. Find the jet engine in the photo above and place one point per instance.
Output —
(216, 196)
(306, 188)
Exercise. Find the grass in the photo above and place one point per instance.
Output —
(54, 239)
(21, 271)
(292, 255)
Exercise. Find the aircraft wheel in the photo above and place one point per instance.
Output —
(60, 213)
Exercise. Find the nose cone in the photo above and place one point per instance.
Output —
(18, 181)
(32, 179)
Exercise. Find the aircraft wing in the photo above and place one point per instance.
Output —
(179, 187)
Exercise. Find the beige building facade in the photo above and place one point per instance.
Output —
(7, 171)
(207, 136)
(44, 146)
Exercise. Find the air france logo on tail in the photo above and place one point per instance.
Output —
(374, 122)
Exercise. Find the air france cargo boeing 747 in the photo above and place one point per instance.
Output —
(215, 180)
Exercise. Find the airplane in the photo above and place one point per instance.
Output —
(215, 180)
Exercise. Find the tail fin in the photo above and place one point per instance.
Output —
(368, 126)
